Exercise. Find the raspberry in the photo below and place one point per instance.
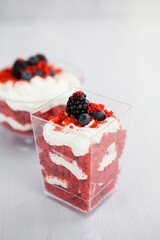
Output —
(77, 104)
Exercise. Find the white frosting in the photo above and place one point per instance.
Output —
(109, 157)
(71, 166)
(56, 181)
(79, 138)
(37, 89)
(14, 124)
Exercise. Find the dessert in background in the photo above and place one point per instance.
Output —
(79, 151)
(27, 85)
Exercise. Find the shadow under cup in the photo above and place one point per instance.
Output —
(76, 177)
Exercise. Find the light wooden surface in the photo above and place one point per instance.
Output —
(120, 59)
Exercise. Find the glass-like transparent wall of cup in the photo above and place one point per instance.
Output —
(81, 180)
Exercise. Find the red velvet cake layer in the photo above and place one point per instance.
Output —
(20, 116)
(23, 117)
(75, 200)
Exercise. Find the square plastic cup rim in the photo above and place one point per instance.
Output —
(129, 107)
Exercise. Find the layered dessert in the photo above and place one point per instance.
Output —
(27, 85)
(80, 150)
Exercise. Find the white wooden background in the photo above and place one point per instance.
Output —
(121, 59)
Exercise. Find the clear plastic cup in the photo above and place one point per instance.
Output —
(77, 169)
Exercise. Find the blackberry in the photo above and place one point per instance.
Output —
(18, 66)
(77, 104)
(41, 57)
(33, 60)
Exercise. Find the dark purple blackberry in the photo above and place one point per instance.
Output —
(77, 104)
(33, 60)
(41, 57)
(18, 67)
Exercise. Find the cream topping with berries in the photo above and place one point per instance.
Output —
(79, 137)
(27, 94)
(28, 84)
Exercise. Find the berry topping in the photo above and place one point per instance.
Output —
(81, 112)
(36, 65)
(77, 104)
(33, 60)
(41, 57)
(51, 72)
(38, 72)
(84, 119)
(26, 75)
(18, 67)
(98, 115)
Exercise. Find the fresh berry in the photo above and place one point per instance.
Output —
(98, 115)
(33, 60)
(41, 57)
(51, 72)
(38, 72)
(18, 67)
(77, 104)
(26, 75)
(84, 119)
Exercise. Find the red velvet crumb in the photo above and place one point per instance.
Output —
(78, 93)
(63, 120)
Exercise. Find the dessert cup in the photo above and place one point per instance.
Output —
(15, 114)
(79, 169)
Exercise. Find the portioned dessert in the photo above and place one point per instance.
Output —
(79, 152)
(27, 85)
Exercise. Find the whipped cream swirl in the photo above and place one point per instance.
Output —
(25, 95)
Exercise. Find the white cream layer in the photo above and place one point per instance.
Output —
(79, 138)
(109, 157)
(38, 89)
(14, 124)
(56, 181)
(72, 167)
